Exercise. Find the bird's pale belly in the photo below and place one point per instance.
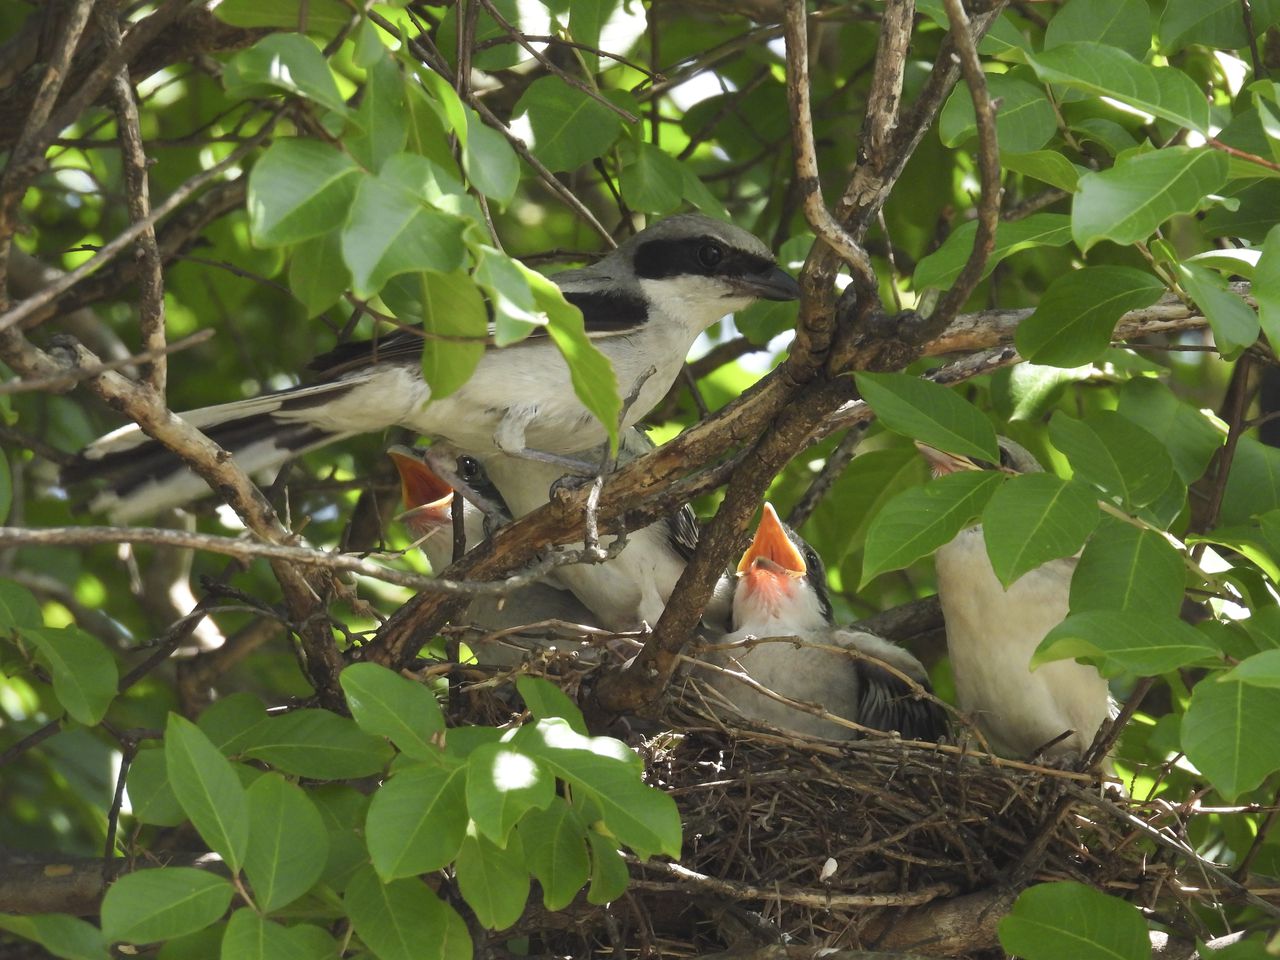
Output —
(991, 635)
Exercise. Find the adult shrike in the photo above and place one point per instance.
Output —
(643, 305)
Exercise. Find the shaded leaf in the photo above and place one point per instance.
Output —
(289, 843)
(389, 705)
(1129, 201)
(1034, 518)
(494, 881)
(208, 789)
(1071, 921)
(404, 920)
(919, 520)
(1127, 641)
(1074, 320)
(150, 905)
(417, 820)
(930, 413)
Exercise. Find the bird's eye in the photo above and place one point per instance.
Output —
(469, 468)
(710, 255)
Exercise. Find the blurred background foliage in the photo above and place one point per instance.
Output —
(706, 83)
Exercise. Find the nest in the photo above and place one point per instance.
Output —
(873, 843)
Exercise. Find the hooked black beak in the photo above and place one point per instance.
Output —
(773, 284)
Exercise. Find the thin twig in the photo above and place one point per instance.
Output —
(111, 250)
(806, 158)
(151, 320)
(988, 165)
(64, 381)
(305, 556)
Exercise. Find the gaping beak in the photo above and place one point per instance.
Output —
(772, 550)
(427, 498)
(772, 284)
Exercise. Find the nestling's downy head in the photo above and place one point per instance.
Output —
(781, 582)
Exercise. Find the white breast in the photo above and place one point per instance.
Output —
(991, 635)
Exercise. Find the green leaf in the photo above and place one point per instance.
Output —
(1130, 201)
(1073, 322)
(1124, 567)
(1260, 670)
(586, 20)
(1266, 286)
(1033, 390)
(390, 231)
(250, 936)
(150, 905)
(555, 850)
(404, 920)
(18, 608)
(1212, 23)
(382, 115)
(929, 412)
(1116, 455)
(320, 745)
(490, 163)
(494, 881)
(1071, 921)
(289, 843)
(1127, 641)
(653, 182)
(569, 129)
(502, 785)
(918, 521)
(1035, 518)
(594, 381)
(417, 820)
(6, 488)
(608, 870)
(1113, 138)
(1048, 166)
(84, 673)
(839, 526)
(1025, 120)
(230, 722)
(1224, 734)
(61, 934)
(299, 189)
(1253, 485)
(1187, 434)
(1108, 71)
(388, 705)
(644, 819)
(445, 99)
(544, 699)
(1121, 23)
(941, 268)
(206, 785)
(318, 276)
(515, 309)
(323, 17)
(288, 62)
(150, 796)
(1235, 325)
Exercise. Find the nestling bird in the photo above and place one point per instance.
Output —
(992, 633)
(428, 502)
(643, 304)
(779, 590)
(624, 592)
